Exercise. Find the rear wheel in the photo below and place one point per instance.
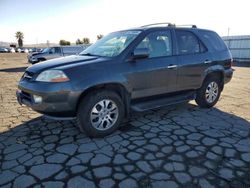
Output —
(100, 113)
(209, 93)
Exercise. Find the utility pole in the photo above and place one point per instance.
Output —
(228, 31)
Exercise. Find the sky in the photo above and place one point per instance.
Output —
(53, 20)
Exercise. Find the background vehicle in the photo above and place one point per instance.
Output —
(132, 70)
(55, 52)
(3, 50)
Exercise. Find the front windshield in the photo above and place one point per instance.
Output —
(112, 44)
(46, 50)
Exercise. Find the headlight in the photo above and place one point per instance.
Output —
(52, 76)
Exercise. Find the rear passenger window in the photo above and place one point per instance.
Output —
(57, 50)
(188, 43)
(213, 40)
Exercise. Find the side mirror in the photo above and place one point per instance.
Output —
(140, 53)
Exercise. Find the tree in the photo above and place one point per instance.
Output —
(78, 41)
(19, 37)
(86, 40)
(64, 43)
(99, 36)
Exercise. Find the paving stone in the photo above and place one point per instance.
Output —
(192, 154)
(217, 149)
(214, 133)
(174, 166)
(78, 168)
(237, 162)
(243, 145)
(181, 132)
(15, 155)
(156, 163)
(24, 181)
(45, 170)
(133, 156)
(78, 182)
(107, 183)
(159, 176)
(102, 172)
(230, 152)
(150, 156)
(181, 149)
(226, 173)
(57, 158)
(195, 136)
(157, 141)
(170, 184)
(7, 176)
(167, 149)
(9, 164)
(51, 139)
(89, 147)
(212, 156)
(14, 148)
(113, 139)
(61, 175)
(119, 159)
(129, 168)
(151, 147)
(182, 177)
(192, 142)
(246, 157)
(73, 161)
(85, 157)
(144, 166)
(53, 184)
(119, 176)
(128, 183)
(176, 158)
(209, 141)
(197, 171)
(100, 159)
(68, 149)
(19, 169)
(204, 183)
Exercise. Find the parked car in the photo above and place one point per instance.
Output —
(3, 50)
(131, 70)
(54, 52)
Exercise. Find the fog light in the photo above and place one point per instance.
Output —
(37, 99)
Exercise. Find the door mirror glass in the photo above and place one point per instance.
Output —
(140, 53)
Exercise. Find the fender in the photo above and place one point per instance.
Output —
(213, 69)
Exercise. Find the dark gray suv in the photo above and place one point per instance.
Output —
(131, 70)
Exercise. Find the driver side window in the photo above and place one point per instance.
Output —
(159, 44)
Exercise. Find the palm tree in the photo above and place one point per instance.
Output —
(19, 37)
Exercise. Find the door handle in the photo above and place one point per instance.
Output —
(207, 61)
(171, 66)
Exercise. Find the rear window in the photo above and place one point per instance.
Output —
(214, 40)
(188, 43)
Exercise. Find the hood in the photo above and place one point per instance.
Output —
(58, 62)
(35, 53)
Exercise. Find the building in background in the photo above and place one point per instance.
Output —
(239, 47)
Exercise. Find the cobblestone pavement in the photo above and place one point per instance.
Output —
(171, 147)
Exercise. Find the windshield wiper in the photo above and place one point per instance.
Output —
(89, 54)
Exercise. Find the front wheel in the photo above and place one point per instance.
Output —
(209, 93)
(100, 113)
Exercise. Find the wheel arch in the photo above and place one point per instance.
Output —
(115, 87)
(215, 71)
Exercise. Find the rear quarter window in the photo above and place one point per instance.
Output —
(213, 40)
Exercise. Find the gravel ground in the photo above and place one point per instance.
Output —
(177, 146)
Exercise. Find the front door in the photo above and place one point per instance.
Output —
(156, 74)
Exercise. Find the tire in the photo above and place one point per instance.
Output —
(94, 119)
(207, 96)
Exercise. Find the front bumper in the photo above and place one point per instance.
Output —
(228, 74)
(58, 99)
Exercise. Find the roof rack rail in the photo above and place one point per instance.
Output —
(187, 25)
(164, 23)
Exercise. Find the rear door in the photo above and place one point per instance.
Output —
(193, 59)
(156, 74)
